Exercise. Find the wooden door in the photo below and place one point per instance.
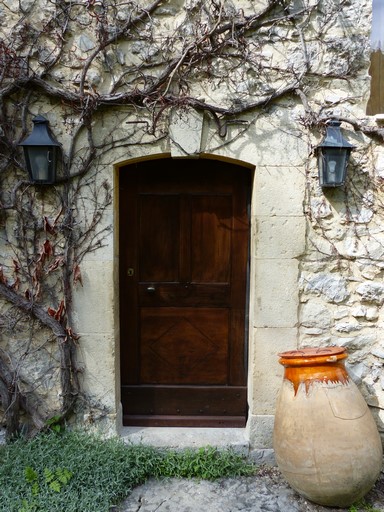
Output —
(184, 232)
(376, 70)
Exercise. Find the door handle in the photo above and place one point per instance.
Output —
(151, 289)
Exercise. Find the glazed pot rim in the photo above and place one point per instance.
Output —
(312, 356)
(312, 352)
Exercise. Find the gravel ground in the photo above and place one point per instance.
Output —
(267, 491)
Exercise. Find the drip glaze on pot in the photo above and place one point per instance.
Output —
(310, 365)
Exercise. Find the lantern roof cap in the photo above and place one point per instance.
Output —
(334, 138)
(40, 135)
(40, 119)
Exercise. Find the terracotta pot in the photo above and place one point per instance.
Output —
(326, 441)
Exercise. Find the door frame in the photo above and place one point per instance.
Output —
(247, 330)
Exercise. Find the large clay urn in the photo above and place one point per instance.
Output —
(326, 442)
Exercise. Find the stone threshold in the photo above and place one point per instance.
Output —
(186, 437)
(178, 438)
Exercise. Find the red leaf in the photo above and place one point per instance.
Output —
(36, 275)
(49, 225)
(59, 262)
(3, 279)
(45, 252)
(72, 335)
(16, 284)
(37, 293)
(57, 313)
(48, 249)
(16, 266)
(77, 275)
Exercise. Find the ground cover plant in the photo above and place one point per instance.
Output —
(75, 471)
(363, 506)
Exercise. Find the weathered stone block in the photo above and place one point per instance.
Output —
(265, 371)
(93, 302)
(97, 358)
(275, 297)
(279, 237)
(278, 191)
(371, 292)
(275, 147)
(185, 131)
(333, 287)
(316, 314)
(260, 431)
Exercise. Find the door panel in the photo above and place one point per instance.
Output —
(158, 258)
(159, 238)
(211, 234)
(184, 406)
(183, 272)
(184, 346)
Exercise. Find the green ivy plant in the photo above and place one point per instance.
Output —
(54, 479)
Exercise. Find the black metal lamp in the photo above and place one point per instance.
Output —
(41, 152)
(333, 156)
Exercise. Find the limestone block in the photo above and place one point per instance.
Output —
(260, 431)
(185, 131)
(279, 191)
(358, 345)
(102, 424)
(359, 312)
(362, 212)
(319, 246)
(266, 373)
(341, 312)
(276, 293)
(353, 247)
(369, 271)
(320, 208)
(236, 145)
(379, 161)
(96, 354)
(93, 303)
(315, 314)
(356, 371)
(378, 352)
(105, 245)
(333, 287)
(372, 314)
(372, 292)
(312, 331)
(348, 327)
(12, 5)
(279, 237)
(279, 142)
(85, 43)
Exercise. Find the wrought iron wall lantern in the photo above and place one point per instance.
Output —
(333, 156)
(41, 151)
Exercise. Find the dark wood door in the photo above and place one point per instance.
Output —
(184, 232)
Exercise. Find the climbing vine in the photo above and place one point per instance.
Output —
(107, 75)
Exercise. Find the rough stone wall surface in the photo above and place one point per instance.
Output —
(316, 255)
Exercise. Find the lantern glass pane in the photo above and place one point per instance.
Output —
(41, 159)
(334, 167)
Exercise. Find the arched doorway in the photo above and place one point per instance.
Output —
(184, 245)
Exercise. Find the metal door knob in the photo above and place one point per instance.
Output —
(151, 289)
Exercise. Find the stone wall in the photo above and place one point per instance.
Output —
(316, 255)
